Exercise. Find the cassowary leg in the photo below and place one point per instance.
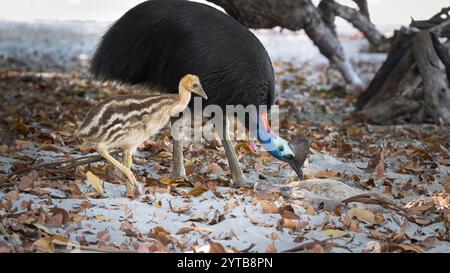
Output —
(236, 171)
(178, 171)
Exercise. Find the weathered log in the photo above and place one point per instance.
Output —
(390, 109)
(399, 47)
(363, 7)
(437, 92)
(328, 15)
(292, 15)
(443, 52)
(436, 19)
(391, 100)
(412, 82)
(360, 22)
(329, 46)
(438, 23)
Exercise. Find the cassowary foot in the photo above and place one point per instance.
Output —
(178, 175)
(241, 182)
(178, 171)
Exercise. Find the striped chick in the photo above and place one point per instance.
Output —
(125, 122)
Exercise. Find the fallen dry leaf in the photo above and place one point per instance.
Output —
(379, 169)
(215, 247)
(447, 184)
(21, 128)
(271, 248)
(43, 228)
(444, 161)
(294, 225)
(192, 228)
(77, 218)
(335, 233)
(103, 237)
(12, 195)
(287, 211)
(326, 174)
(47, 244)
(365, 216)
(198, 190)
(391, 247)
(273, 236)
(260, 224)
(217, 218)
(268, 207)
(101, 218)
(25, 184)
(213, 168)
(317, 249)
(166, 180)
(59, 217)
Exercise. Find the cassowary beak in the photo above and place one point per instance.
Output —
(300, 145)
(199, 91)
(297, 169)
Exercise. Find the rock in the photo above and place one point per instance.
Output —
(327, 188)
(295, 195)
(326, 193)
(318, 162)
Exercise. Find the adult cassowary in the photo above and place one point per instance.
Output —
(158, 42)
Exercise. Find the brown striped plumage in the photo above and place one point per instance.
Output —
(126, 121)
(114, 120)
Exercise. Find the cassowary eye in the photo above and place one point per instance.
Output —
(281, 149)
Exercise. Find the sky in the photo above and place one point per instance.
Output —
(384, 12)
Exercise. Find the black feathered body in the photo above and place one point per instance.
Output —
(158, 42)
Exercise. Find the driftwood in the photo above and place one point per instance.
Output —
(363, 7)
(328, 15)
(412, 85)
(434, 21)
(380, 84)
(437, 96)
(293, 15)
(443, 51)
(358, 19)
(318, 23)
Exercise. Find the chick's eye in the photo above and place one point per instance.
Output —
(195, 85)
(289, 157)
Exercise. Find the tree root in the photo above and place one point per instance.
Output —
(68, 165)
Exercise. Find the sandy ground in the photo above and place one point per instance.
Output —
(170, 219)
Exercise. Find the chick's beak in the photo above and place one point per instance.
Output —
(199, 91)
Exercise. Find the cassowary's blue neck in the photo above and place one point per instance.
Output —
(271, 142)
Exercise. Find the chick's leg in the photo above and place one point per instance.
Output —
(127, 162)
(127, 158)
(132, 180)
